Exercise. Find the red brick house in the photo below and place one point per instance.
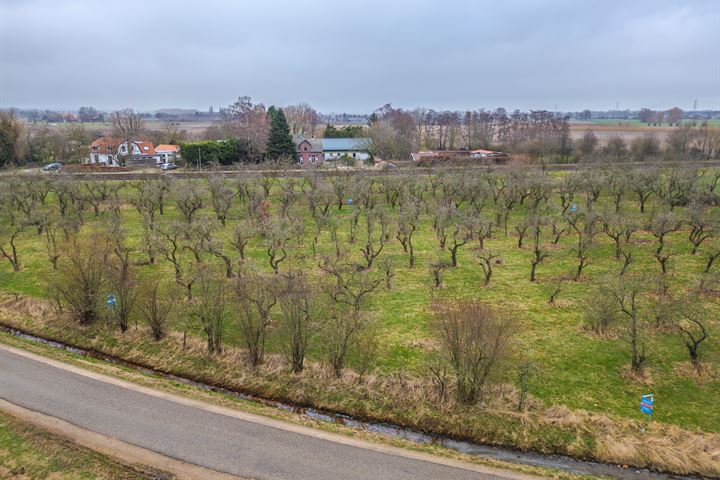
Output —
(310, 151)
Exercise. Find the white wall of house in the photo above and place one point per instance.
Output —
(167, 156)
(103, 158)
(357, 155)
(123, 148)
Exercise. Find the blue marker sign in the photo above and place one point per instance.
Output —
(111, 301)
(349, 200)
(573, 208)
(646, 404)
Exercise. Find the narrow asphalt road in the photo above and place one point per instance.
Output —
(201, 437)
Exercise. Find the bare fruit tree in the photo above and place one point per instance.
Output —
(660, 225)
(408, 220)
(221, 197)
(585, 226)
(626, 294)
(540, 253)
(487, 258)
(8, 243)
(189, 197)
(691, 322)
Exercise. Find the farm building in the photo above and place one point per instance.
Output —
(334, 148)
(309, 151)
(454, 155)
(312, 151)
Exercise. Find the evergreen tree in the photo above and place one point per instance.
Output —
(330, 131)
(280, 142)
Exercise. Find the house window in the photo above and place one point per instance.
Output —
(305, 148)
(353, 154)
(313, 159)
(300, 160)
(123, 149)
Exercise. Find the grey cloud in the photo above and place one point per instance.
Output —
(355, 56)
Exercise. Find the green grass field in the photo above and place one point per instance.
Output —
(578, 369)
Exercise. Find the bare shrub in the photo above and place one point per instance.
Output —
(296, 325)
(155, 306)
(81, 275)
(474, 339)
(366, 349)
(600, 311)
(349, 293)
(256, 295)
(210, 308)
(527, 372)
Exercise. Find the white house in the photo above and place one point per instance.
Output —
(104, 150)
(113, 151)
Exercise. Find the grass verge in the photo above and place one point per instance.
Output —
(27, 452)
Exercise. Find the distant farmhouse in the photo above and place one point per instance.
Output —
(314, 151)
(114, 151)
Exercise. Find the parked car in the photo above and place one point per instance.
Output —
(168, 166)
(52, 167)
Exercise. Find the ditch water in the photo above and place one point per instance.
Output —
(560, 462)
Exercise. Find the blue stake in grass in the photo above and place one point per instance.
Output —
(111, 301)
(349, 200)
(646, 407)
(646, 404)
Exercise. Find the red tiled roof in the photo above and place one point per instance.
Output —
(105, 145)
(146, 148)
(165, 147)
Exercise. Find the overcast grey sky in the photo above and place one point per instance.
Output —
(357, 55)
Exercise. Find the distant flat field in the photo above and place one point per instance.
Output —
(626, 129)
